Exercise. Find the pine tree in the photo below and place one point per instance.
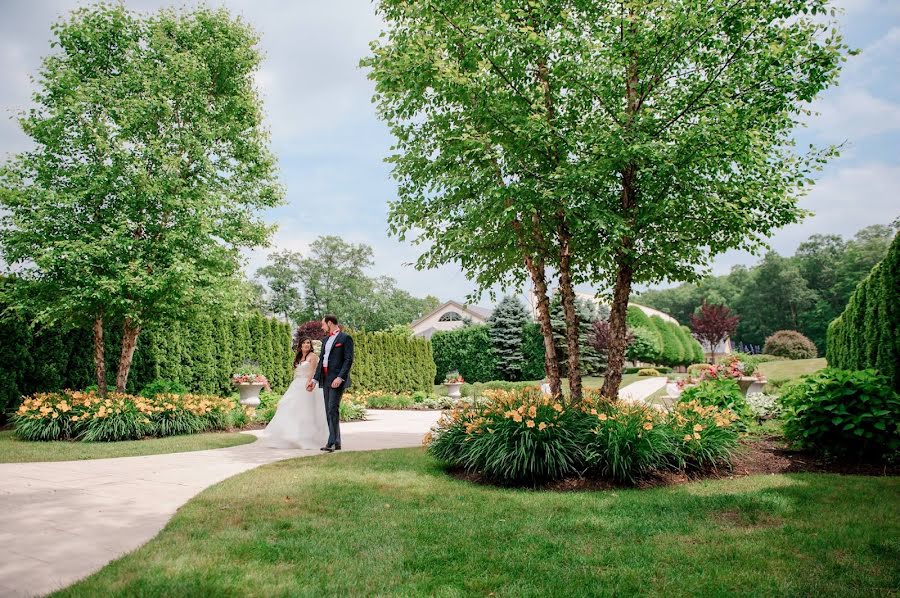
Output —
(506, 326)
(592, 363)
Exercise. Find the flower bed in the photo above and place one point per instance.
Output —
(524, 436)
(85, 416)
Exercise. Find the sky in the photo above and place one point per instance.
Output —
(331, 146)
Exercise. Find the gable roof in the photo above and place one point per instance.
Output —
(478, 312)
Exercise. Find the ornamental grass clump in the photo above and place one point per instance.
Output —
(71, 415)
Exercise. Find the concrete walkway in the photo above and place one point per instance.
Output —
(60, 522)
(640, 390)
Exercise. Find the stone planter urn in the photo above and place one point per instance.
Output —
(750, 384)
(453, 389)
(249, 394)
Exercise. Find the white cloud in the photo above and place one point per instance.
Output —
(854, 115)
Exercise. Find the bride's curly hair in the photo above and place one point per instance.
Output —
(300, 354)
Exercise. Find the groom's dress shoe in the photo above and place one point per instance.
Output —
(337, 447)
(327, 449)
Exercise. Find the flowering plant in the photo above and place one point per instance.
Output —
(453, 378)
(72, 415)
(251, 378)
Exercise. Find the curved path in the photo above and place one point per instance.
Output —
(60, 522)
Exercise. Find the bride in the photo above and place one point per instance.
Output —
(299, 420)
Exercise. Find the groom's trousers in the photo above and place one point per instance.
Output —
(333, 412)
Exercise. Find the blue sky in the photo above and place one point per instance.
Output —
(331, 146)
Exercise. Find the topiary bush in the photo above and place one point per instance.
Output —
(791, 345)
(648, 372)
(853, 413)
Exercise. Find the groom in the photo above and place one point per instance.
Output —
(333, 375)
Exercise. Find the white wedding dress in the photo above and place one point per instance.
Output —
(299, 420)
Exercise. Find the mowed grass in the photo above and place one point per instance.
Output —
(393, 523)
(13, 450)
(792, 369)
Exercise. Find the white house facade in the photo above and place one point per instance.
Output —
(449, 316)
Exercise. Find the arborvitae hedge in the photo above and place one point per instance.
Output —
(867, 334)
(200, 354)
(391, 363)
(467, 350)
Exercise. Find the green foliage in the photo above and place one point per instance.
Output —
(854, 413)
(646, 344)
(469, 351)
(697, 368)
(134, 207)
(391, 363)
(523, 437)
(830, 266)
(593, 363)
(163, 387)
(648, 372)
(867, 333)
(507, 332)
(86, 417)
(790, 344)
(533, 352)
(350, 411)
(722, 393)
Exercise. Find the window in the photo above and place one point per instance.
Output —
(451, 316)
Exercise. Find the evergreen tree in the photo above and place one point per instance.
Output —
(592, 363)
(506, 327)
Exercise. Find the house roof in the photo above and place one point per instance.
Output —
(473, 310)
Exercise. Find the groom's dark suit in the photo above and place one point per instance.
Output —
(340, 360)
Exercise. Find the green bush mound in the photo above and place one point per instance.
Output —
(648, 372)
(790, 344)
(867, 334)
(849, 413)
(523, 437)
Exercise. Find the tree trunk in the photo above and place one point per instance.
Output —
(99, 356)
(551, 359)
(573, 327)
(618, 332)
(129, 344)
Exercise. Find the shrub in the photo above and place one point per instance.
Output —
(163, 387)
(698, 368)
(517, 437)
(723, 393)
(468, 350)
(648, 372)
(865, 334)
(352, 411)
(85, 416)
(629, 442)
(388, 401)
(523, 436)
(790, 344)
(843, 412)
(708, 434)
(392, 364)
(764, 406)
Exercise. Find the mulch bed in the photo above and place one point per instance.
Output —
(759, 456)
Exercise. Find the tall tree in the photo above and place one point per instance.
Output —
(507, 327)
(333, 275)
(150, 162)
(612, 142)
(282, 276)
(712, 324)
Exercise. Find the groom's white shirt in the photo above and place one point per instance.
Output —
(328, 344)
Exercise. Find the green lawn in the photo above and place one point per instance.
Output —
(393, 523)
(13, 450)
(792, 369)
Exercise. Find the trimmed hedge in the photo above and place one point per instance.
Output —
(676, 345)
(469, 351)
(867, 334)
(388, 362)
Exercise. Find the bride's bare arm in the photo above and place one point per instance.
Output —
(313, 361)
